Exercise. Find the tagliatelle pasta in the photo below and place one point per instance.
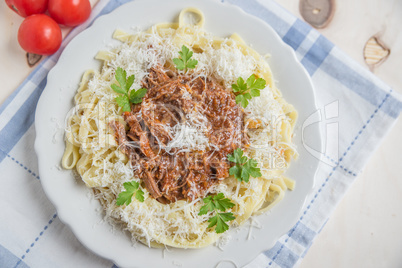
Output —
(92, 149)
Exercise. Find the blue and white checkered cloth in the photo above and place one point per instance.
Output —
(352, 99)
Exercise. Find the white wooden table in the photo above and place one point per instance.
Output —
(366, 228)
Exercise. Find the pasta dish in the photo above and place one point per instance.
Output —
(181, 134)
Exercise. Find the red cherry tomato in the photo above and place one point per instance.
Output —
(39, 34)
(27, 8)
(69, 12)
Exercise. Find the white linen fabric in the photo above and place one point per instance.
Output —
(354, 104)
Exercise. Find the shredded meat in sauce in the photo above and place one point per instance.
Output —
(180, 173)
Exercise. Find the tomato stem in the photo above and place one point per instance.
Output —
(15, 9)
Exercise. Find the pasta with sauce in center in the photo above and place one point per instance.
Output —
(175, 143)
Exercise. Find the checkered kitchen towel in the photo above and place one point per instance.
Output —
(364, 109)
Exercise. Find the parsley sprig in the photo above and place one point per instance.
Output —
(215, 203)
(127, 96)
(185, 62)
(244, 168)
(132, 189)
(246, 90)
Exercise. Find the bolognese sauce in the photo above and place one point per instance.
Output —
(172, 173)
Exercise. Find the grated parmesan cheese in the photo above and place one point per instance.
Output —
(151, 221)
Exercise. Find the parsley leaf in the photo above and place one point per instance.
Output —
(124, 86)
(136, 96)
(246, 90)
(132, 187)
(209, 205)
(123, 102)
(213, 204)
(192, 63)
(220, 220)
(118, 89)
(184, 62)
(121, 77)
(240, 86)
(179, 63)
(244, 167)
(221, 202)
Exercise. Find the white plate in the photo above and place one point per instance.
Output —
(72, 199)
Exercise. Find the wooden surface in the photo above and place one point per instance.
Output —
(366, 228)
